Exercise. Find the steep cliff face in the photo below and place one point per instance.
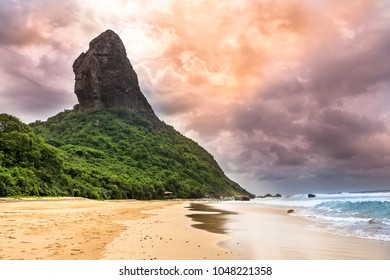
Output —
(105, 78)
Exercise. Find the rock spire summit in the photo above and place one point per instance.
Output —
(105, 78)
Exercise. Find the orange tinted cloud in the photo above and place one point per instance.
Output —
(270, 75)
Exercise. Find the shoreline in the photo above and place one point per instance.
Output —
(83, 229)
(273, 234)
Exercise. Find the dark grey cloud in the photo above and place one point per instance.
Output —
(35, 65)
(31, 97)
(350, 69)
(14, 24)
(342, 135)
(32, 87)
(172, 105)
(25, 23)
(285, 156)
(273, 121)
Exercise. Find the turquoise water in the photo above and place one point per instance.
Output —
(364, 214)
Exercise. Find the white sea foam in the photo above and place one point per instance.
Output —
(303, 201)
(357, 214)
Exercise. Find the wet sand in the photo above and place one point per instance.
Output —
(272, 234)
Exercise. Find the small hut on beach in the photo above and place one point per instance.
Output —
(168, 194)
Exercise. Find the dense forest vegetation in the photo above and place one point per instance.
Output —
(28, 166)
(105, 154)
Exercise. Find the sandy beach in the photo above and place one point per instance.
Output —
(74, 229)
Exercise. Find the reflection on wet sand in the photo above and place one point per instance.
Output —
(210, 219)
(265, 233)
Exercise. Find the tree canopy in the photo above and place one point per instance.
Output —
(105, 154)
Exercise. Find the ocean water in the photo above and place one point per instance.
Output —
(364, 214)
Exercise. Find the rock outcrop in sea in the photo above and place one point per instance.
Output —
(105, 78)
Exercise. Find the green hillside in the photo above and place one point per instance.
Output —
(29, 166)
(106, 154)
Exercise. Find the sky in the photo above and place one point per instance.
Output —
(290, 96)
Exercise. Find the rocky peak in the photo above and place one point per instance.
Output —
(105, 78)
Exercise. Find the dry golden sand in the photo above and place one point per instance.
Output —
(86, 229)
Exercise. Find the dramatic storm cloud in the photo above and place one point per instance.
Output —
(289, 96)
